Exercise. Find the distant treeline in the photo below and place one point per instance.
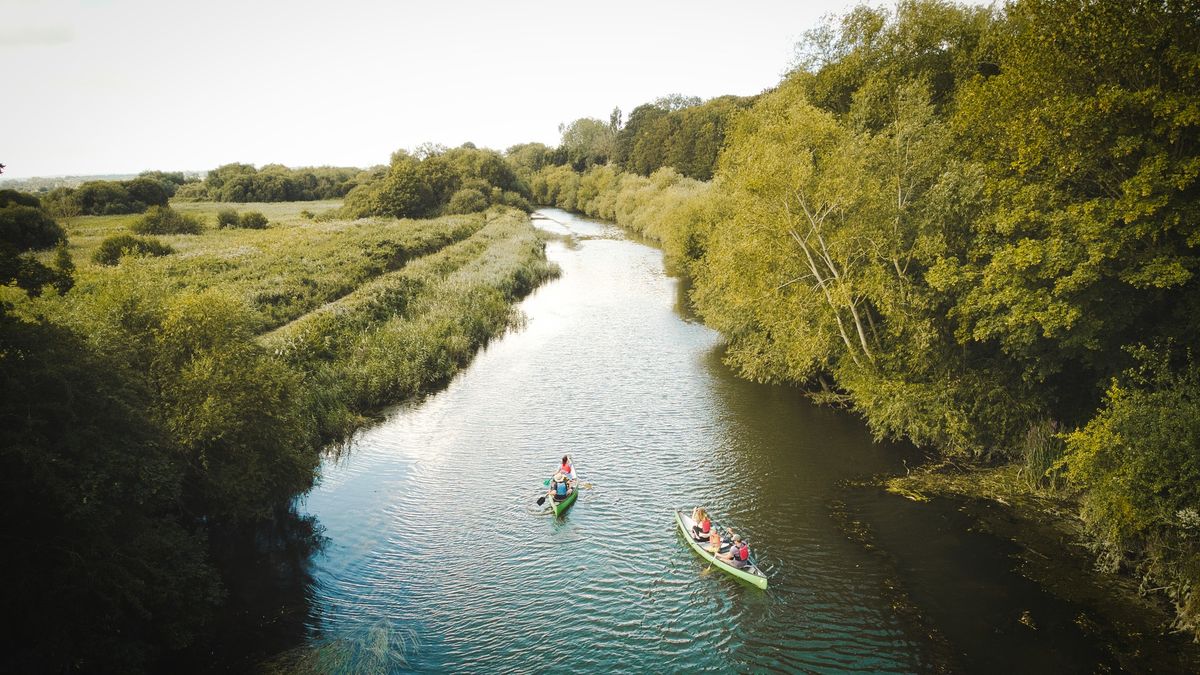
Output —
(679, 132)
(980, 229)
(114, 197)
(272, 183)
(436, 181)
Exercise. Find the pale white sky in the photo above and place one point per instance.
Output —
(121, 86)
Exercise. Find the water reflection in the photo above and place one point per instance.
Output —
(267, 573)
(439, 557)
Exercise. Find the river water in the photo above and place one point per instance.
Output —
(435, 540)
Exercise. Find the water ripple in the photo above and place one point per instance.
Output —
(435, 530)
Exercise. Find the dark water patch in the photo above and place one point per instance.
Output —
(266, 570)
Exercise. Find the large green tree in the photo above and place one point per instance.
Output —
(1087, 140)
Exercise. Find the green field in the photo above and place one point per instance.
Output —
(293, 266)
(369, 310)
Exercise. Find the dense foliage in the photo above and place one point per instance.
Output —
(252, 220)
(112, 249)
(684, 134)
(425, 185)
(272, 183)
(147, 423)
(110, 197)
(25, 227)
(166, 220)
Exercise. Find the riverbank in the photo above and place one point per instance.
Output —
(163, 415)
(1052, 550)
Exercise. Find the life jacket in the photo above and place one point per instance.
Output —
(705, 525)
(561, 489)
(743, 553)
(566, 469)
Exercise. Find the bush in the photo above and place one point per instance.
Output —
(165, 220)
(227, 218)
(515, 200)
(112, 249)
(28, 227)
(252, 220)
(467, 200)
(192, 192)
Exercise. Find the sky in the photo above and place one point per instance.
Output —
(122, 86)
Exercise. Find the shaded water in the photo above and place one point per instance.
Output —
(434, 532)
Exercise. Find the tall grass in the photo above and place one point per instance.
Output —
(411, 330)
(286, 270)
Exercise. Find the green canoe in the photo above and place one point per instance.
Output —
(561, 507)
(749, 573)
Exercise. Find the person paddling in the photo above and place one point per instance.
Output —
(559, 487)
(566, 469)
(738, 554)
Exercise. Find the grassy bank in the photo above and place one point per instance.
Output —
(175, 401)
(412, 329)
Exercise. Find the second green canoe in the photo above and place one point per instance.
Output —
(749, 573)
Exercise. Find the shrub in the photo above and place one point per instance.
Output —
(28, 227)
(252, 220)
(165, 220)
(515, 200)
(192, 192)
(112, 249)
(467, 200)
(227, 218)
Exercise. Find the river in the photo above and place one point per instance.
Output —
(435, 542)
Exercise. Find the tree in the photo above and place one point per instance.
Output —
(91, 495)
(1089, 152)
(588, 142)
(26, 227)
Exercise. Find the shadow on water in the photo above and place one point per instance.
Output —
(267, 574)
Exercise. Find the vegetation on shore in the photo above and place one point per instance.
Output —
(150, 421)
(978, 229)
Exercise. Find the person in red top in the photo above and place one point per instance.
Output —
(566, 469)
